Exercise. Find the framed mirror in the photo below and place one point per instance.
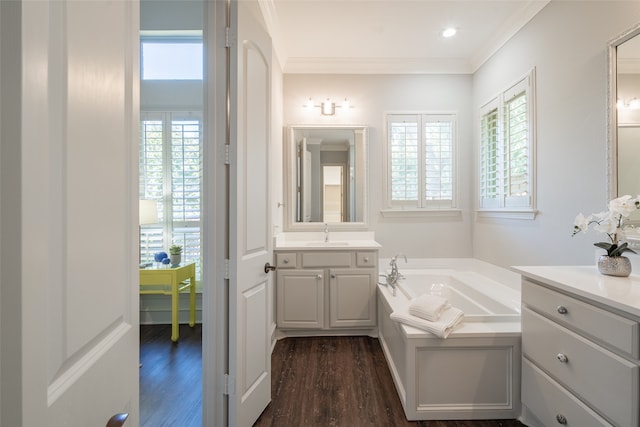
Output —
(624, 114)
(325, 177)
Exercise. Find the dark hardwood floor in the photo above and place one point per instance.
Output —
(321, 381)
(170, 377)
(339, 381)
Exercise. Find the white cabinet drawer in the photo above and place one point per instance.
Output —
(286, 260)
(617, 331)
(551, 403)
(366, 259)
(606, 381)
(326, 259)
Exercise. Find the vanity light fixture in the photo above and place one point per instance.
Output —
(327, 107)
(633, 104)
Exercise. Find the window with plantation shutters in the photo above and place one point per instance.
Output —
(421, 161)
(171, 173)
(490, 171)
(506, 163)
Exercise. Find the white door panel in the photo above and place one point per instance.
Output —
(78, 308)
(250, 230)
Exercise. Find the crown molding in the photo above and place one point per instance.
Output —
(376, 66)
(509, 29)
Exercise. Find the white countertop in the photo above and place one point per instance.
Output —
(331, 245)
(315, 241)
(622, 293)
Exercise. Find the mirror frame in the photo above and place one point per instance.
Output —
(612, 112)
(290, 179)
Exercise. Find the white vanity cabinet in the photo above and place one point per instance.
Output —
(326, 289)
(580, 347)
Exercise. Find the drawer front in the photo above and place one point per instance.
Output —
(286, 260)
(326, 259)
(551, 403)
(606, 381)
(366, 259)
(619, 332)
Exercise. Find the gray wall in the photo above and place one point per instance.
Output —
(372, 96)
(567, 43)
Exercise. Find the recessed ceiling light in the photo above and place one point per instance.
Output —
(449, 32)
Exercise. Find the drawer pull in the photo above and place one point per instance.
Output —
(562, 358)
(561, 419)
(366, 259)
(562, 309)
(285, 261)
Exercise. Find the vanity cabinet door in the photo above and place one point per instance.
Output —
(300, 298)
(352, 301)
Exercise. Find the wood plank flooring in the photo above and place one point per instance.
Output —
(170, 377)
(339, 381)
(320, 381)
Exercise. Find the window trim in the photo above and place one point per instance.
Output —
(166, 225)
(399, 210)
(501, 207)
(169, 37)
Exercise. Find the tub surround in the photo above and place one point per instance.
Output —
(580, 346)
(472, 374)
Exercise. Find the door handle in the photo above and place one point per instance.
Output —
(268, 267)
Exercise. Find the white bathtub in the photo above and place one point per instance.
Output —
(475, 372)
(479, 297)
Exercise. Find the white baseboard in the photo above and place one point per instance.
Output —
(156, 309)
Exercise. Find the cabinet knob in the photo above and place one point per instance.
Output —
(319, 277)
(561, 419)
(333, 276)
(366, 259)
(562, 309)
(562, 358)
(285, 261)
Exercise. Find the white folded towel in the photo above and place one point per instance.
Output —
(428, 307)
(449, 319)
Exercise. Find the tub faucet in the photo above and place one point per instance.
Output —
(394, 265)
(392, 278)
(326, 232)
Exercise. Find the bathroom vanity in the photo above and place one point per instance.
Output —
(326, 287)
(580, 347)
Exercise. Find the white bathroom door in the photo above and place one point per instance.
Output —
(250, 291)
(78, 351)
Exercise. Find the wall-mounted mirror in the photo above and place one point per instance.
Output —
(326, 177)
(624, 114)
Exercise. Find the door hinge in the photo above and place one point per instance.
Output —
(229, 385)
(227, 154)
(227, 37)
(226, 269)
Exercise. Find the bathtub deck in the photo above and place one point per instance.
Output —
(340, 381)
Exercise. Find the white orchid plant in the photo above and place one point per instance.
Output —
(612, 223)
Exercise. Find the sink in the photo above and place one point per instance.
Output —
(330, 244)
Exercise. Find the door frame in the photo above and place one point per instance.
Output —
(215, 313)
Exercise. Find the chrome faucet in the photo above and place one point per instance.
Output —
(392, 278)
(326, 232)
